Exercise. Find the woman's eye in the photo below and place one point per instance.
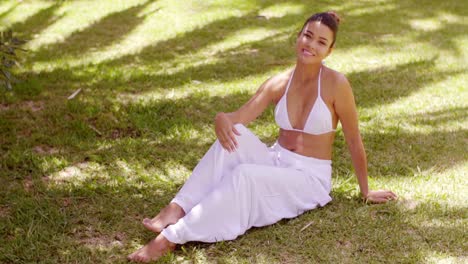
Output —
(322, 43)
(307, 36)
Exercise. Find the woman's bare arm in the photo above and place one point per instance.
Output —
(268, 92)
(345, 108)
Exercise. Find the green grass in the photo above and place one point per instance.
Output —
(78, 175)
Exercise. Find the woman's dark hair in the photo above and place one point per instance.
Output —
(330, 19)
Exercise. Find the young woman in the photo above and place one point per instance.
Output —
(241, 183)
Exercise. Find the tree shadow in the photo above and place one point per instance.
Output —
(153, 55)
(438, 38)
(41, 20)
(85, 217)
(197, 39)
(106, 31)
(397, 21)
(439, 117)
(269, 52)
(153, 135)
(379, 86)
(93, 217)
(250, 55)
(435, 152)
(187, 123)
(387, 84)
(9, 10)
(399, 153)
(166, 123)
(201, 37)
(362, 233)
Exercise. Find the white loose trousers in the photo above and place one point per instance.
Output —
(228, 193)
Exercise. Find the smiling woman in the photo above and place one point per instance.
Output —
(241, 183)
(330, 19)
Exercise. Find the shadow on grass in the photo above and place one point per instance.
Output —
(108, 30)
(441, 12)
(9, 10)
(60, 222)
(269, 53)
(99, 217)
(177, 126)
(361, 234)
(182, 44)
(398, 19)
(41, 20)
(372, 87)
(71, 218)
(440, 117)
(385, 21)
(388, 84)
(395, 151)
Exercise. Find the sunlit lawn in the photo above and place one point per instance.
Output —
(78, 175)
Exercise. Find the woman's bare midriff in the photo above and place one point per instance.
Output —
(316, 146)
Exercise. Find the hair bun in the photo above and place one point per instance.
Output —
(335, 16)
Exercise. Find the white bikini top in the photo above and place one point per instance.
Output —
(319, 120)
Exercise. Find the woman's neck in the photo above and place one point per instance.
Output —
(307, 72)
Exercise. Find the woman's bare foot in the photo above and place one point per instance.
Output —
(152, 251)
(168, 216)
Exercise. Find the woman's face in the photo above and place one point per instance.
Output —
(313, 43)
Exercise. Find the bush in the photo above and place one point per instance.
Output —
(9, 45)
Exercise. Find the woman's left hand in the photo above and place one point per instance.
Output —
(380, 196)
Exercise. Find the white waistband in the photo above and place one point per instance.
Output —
(285, 153)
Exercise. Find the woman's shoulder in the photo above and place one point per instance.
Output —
(279, 80)
(335, 76)
(336, 80)
(276, 84)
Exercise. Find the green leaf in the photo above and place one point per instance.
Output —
(6, 74)
(17, 41)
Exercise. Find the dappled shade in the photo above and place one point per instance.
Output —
(80, 174)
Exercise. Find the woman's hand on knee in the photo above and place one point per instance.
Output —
(226, 132)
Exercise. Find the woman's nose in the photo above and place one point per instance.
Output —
(311, 45)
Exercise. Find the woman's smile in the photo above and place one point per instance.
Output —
(307, 53)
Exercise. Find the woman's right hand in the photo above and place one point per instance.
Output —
(225, 131)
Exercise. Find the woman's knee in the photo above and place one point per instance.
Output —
(240, 128)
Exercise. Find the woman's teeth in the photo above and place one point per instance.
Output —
(307, 52)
